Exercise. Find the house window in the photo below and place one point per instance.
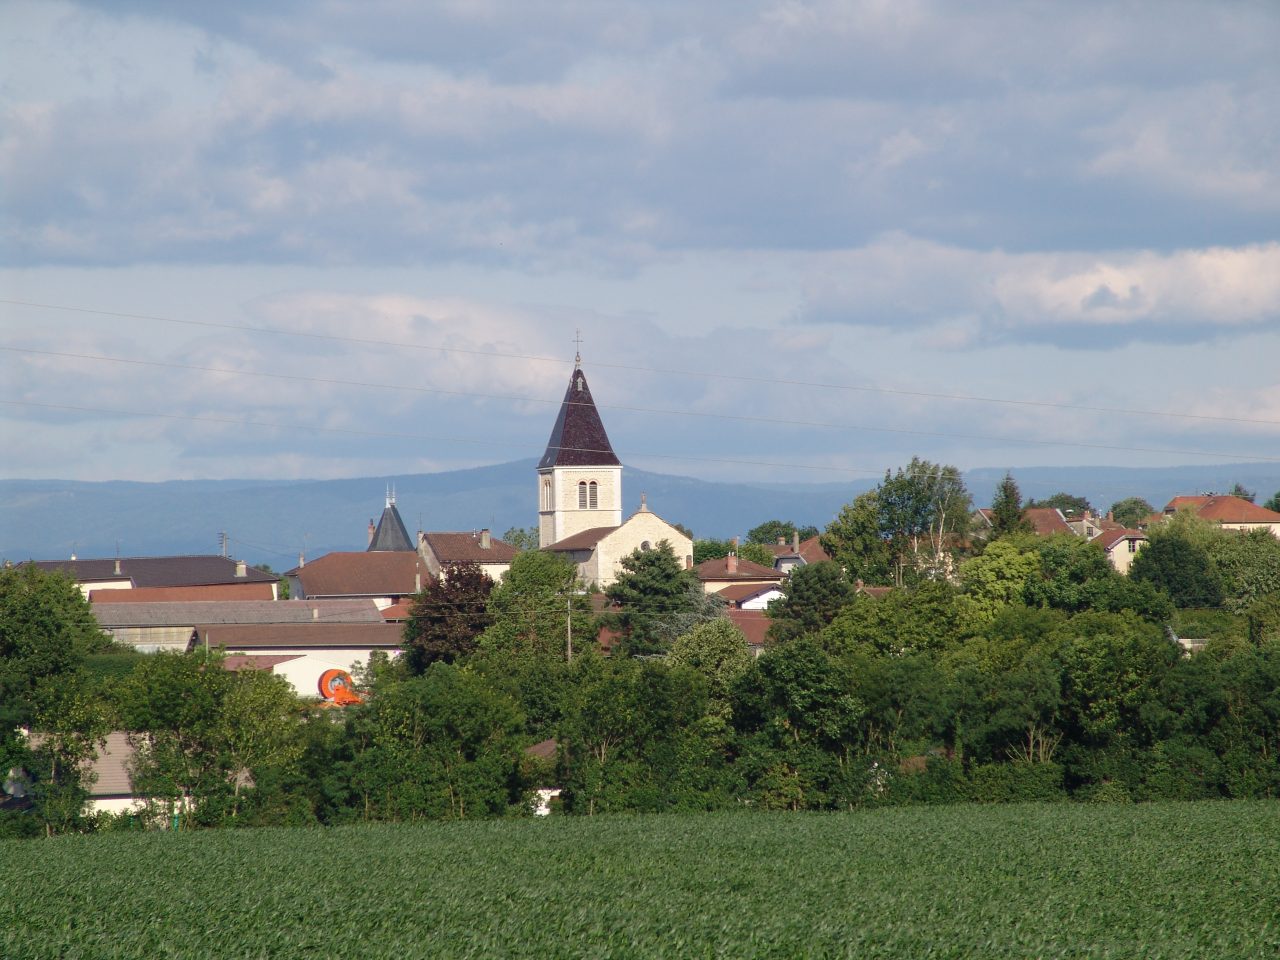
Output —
(592, 497)
(1133, 546)
(645, 545)
(582, 495)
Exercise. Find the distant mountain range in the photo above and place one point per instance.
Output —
(273, 521)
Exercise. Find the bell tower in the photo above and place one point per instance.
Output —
(579, 476)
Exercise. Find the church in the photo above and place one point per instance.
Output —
(580, 495)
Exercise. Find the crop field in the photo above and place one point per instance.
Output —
(1159, 881)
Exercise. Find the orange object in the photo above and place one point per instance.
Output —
(336, 686)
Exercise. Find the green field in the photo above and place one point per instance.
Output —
(1162, 880)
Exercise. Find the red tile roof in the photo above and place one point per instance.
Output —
(221, 592)
(462, 546)
(717, 569)
(1226, 509)
(389, 574)
(1109, 538)
(754, 624)
(810, 550)
(1046, 520)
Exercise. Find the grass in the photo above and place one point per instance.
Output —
(1061, 880)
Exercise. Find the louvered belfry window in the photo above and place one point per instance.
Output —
(582, 495)
(592, 497)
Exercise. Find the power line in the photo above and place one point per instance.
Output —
(426, 438)
(702, 374)
(743, 418)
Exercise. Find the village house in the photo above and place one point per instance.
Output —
(167, 578)
(1230, 513)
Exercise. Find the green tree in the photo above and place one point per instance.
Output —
(633, 738)
(657, 601)
(522, 538)
(1069, 504)
(538, 609)
(1248, 564)
(998, 577)
(854, 541)
(718, 651)
(259, 728)
(172, 707)
(927, 619)
(769, 532)
(46, 630)
(1263, 618)
(72, 722)
(1006, 509)
(445, 745)
(447, 616)
(1274, 502)
(715, 549)
(1076, 576)
(1131, 511)
(812, 596)
(1179, 566)
(924, 513)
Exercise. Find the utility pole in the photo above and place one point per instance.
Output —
(568, 623)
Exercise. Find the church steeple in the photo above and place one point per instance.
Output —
(578, 438)
(579, 475)
(390, 534)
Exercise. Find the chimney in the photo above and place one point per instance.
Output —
(302, 560)
(734, 549)
(1111, 516)
(782, 541)
(372, 530)
(417, 582)
(486, 541)
(315, 613)
(241, 569)
(117, 567)
(731, 563)
(795, 541)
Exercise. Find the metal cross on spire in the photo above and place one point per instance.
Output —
(577, 353)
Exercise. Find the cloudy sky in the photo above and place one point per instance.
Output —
(801, 240)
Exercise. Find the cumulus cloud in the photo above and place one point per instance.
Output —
(964, 298)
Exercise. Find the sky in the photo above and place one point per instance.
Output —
(793, 241)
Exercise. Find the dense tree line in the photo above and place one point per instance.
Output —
(1020, 668)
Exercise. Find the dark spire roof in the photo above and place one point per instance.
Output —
(391, 534)
(578, 438)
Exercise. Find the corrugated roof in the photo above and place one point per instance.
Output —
(458, 547)
(289, 636)
(391, 534)
(158, 571)
(234, 611)
(363, 574)
(578, 438)
(257, 661)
